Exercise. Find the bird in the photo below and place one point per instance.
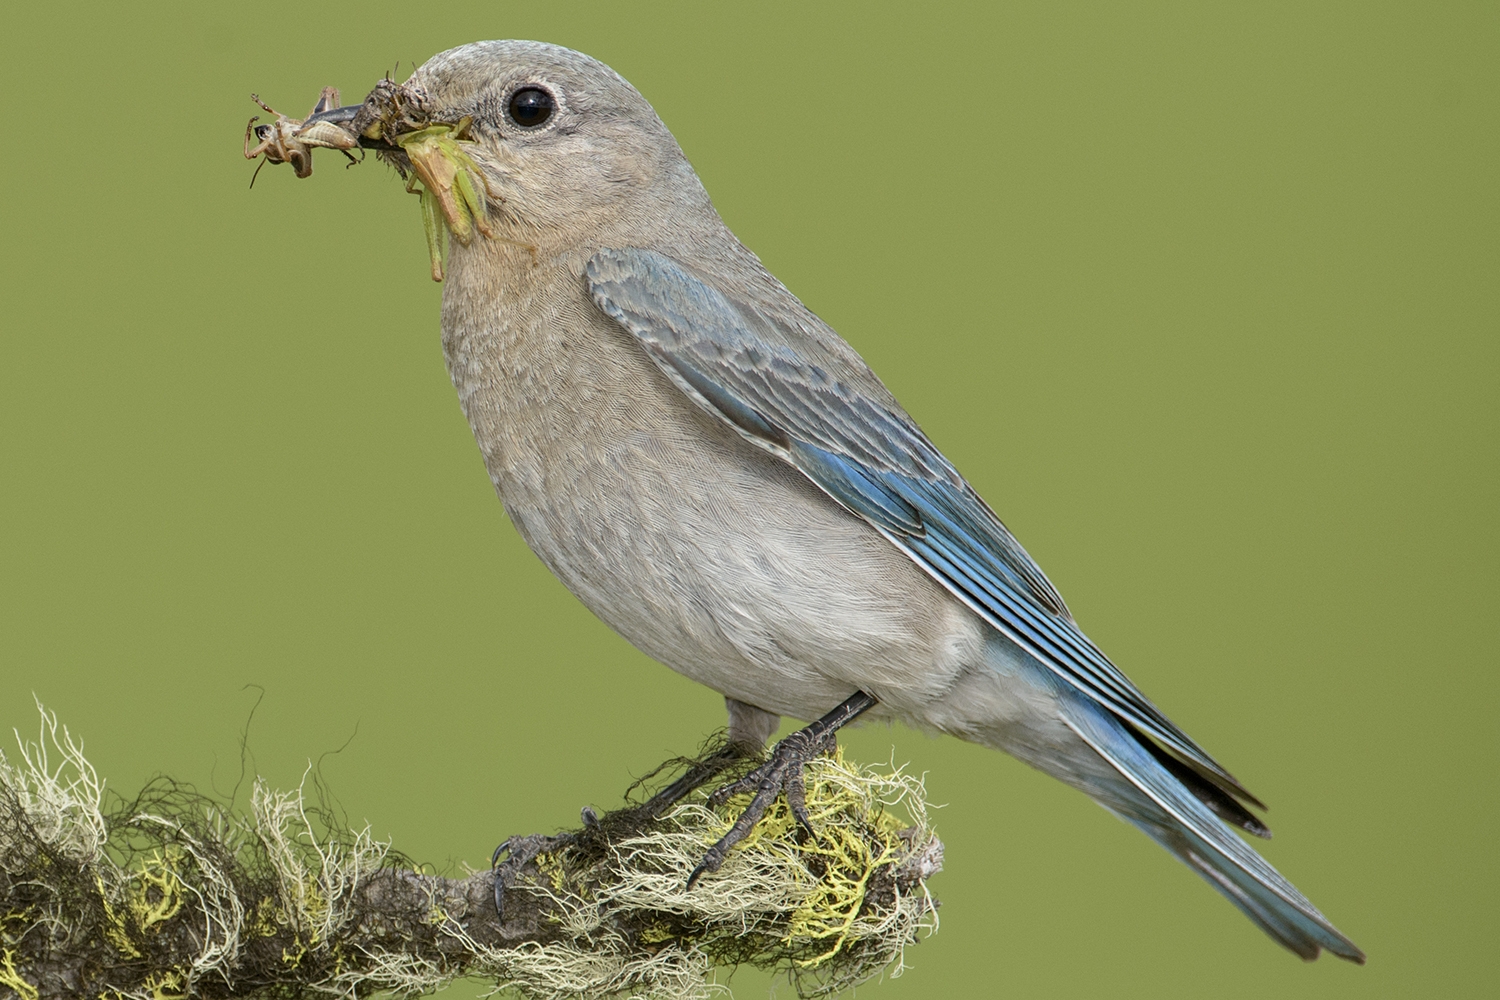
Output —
(722, 479)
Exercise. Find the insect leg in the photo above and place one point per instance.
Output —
(433, 224)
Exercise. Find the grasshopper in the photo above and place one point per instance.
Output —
(444, 175)
(289, 140)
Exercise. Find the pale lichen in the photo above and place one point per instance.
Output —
(171, 895)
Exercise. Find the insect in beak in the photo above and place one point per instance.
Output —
(450, 183)
(433, 157)
(292, 140)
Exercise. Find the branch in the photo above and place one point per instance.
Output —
(174, 895)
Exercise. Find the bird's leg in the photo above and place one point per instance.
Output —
(781, 773)
(749, 728)
(699, 773)
(750, 725)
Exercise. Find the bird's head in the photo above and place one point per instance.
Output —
(534, 144)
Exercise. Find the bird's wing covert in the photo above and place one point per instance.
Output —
(784, 384)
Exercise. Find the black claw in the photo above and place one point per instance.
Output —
(703, 866)
(499, 881)
(796, 799)
(504, 846)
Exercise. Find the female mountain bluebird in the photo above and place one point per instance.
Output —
(718, 476)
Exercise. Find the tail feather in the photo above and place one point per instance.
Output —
(1155, 800)
(1224, 805)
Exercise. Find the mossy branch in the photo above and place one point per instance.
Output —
(173, 895)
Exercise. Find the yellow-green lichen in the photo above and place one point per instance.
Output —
(9, 977)
(845, 857)
(150, 896)
(166, 986)
(550, 865)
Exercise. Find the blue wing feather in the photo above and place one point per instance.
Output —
(788, 384)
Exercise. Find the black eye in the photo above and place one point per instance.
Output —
(530, 106)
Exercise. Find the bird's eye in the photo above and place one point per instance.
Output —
(531, 106)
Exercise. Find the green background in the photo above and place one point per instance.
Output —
(1202, 300)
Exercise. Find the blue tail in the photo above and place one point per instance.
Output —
(1156, 801)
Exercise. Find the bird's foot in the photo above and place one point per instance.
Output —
(519, 852)
(781, 773)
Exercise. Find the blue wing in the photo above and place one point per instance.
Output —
(790, 385)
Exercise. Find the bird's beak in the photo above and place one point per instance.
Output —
(343, 117)
(433, 157)
(337, 116)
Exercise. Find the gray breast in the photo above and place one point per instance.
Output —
(703, 551)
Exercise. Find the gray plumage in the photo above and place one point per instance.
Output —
(718, 476)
